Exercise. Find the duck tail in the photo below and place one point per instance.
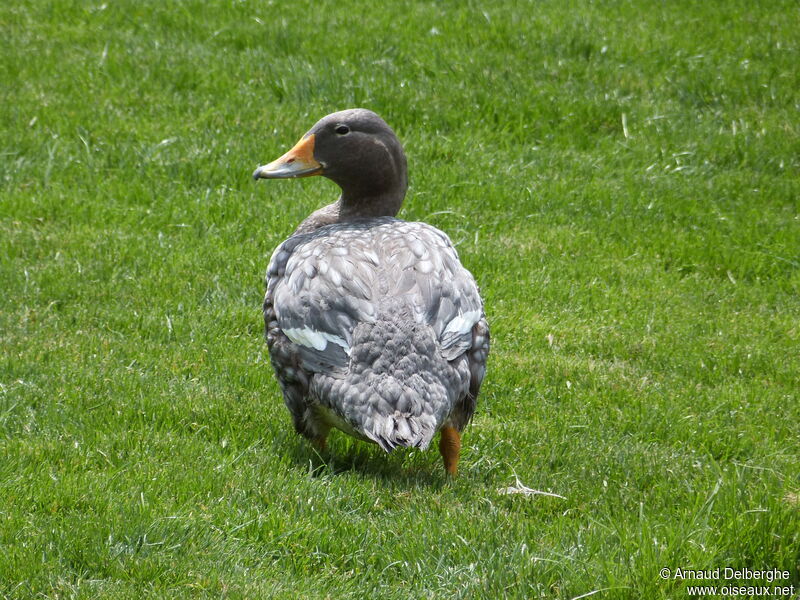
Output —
(402, 415)
(399, 388)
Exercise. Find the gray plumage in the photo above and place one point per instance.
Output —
(374, 327)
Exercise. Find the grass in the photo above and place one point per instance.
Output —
(623, 180)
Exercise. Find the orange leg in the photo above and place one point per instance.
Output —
(450, 448)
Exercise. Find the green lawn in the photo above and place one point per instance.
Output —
(622, 178)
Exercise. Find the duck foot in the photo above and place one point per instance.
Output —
(450, 448)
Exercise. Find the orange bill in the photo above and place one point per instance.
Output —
(297, 162)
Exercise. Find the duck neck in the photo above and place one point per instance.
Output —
(349, 209)
(382, 196)
(359, 206)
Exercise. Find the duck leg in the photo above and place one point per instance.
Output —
(450, 448)
(319, 437)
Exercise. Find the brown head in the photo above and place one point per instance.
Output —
(358, 151)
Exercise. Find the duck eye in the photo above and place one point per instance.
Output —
(342, 129)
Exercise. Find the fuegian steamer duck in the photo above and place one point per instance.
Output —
(373, 325)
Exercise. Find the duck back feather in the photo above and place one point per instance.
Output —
(379, 314)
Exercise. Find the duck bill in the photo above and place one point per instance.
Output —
(297, 162)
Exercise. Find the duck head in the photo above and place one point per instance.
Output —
(359, 152)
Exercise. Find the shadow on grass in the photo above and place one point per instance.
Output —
(402, 467)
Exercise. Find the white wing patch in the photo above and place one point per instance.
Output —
(318, 340)
(463, 324)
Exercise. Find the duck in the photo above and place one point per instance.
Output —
(374, 327)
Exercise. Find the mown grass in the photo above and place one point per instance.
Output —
(622, 178)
